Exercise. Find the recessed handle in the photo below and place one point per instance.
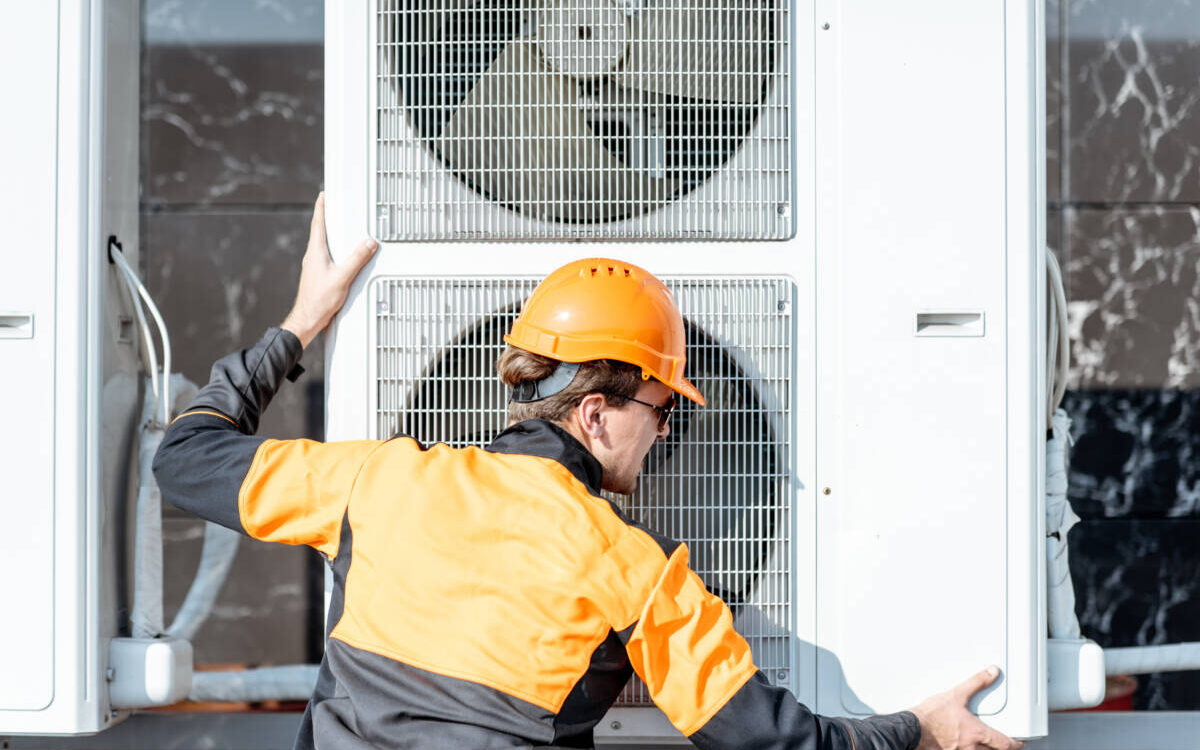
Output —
(16, 325)
(949, 323)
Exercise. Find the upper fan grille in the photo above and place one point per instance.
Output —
(720, 481)
(582, 118)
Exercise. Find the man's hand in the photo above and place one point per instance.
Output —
(946, 724)
(323, 283)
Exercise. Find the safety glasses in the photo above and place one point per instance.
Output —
(664, 411)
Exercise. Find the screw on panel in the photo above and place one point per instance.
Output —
(783, 305)
(614, 725)
(825, 26)
(381, 307)
(781, 675)
(827, 490)
(782, 209)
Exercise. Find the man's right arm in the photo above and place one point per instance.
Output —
(208, 450)
(211, 464)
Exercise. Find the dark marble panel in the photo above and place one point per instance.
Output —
(1133, 288)
(262, 612)
(232, 124)
(1133, 91)
(1138, 583)
(1054, 10)
(221, 279)
(1054, 234)
(1136, 453)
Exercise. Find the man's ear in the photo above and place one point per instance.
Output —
(590, 415)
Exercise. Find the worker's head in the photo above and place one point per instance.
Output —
(599, 349)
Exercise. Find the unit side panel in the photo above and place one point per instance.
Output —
(27, 338)
(912, 536)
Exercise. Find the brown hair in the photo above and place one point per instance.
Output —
(618, 381)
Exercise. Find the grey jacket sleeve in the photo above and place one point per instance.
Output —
(207, 451)
(244, 382)
(765, 717)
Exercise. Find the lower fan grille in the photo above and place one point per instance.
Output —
(719, 482)
(582, 119)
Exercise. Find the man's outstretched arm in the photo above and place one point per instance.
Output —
(211, 464)
(700, 673)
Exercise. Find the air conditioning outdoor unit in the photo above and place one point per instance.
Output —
(845, 197)
(70, 386)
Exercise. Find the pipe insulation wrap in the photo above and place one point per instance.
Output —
(1060, 615)
(1175, 657)
(146, 615)
(294, 682)
(216, 558)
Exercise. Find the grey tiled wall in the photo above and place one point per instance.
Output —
(232, 158)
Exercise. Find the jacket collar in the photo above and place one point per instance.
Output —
(537, 437)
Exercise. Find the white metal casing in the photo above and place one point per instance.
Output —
(917, 189)
(69, 389)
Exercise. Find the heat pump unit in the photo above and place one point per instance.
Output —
(69, 380)
(845, 198)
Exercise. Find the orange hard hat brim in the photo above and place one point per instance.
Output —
(687, 390)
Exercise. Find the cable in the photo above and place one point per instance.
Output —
(146, 618)
(149, 351)
(131, 277)
(1058, 342)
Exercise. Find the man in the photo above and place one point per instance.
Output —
(492, 598)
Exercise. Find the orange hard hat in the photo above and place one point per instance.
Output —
(600, 308)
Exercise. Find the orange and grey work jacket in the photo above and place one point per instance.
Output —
(483, 597)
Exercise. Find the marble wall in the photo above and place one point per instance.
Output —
(1123, 101)
(232, 158)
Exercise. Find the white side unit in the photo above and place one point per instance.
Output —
(865, 485)
(68, 383)
(930, 437)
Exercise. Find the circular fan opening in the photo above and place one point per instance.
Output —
(581, 111)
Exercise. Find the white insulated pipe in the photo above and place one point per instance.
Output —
(293, 682)
(216, 557)
(1174, 657)
(1061, 617)
(146, 614)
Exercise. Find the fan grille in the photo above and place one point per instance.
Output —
(719, 483)
(582, 119)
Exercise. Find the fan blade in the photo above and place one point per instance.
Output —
(701, 49)
(521, 136)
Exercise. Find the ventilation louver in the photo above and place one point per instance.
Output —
(569, 118)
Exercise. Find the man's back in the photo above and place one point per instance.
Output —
(482, 597)
(496, 575)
